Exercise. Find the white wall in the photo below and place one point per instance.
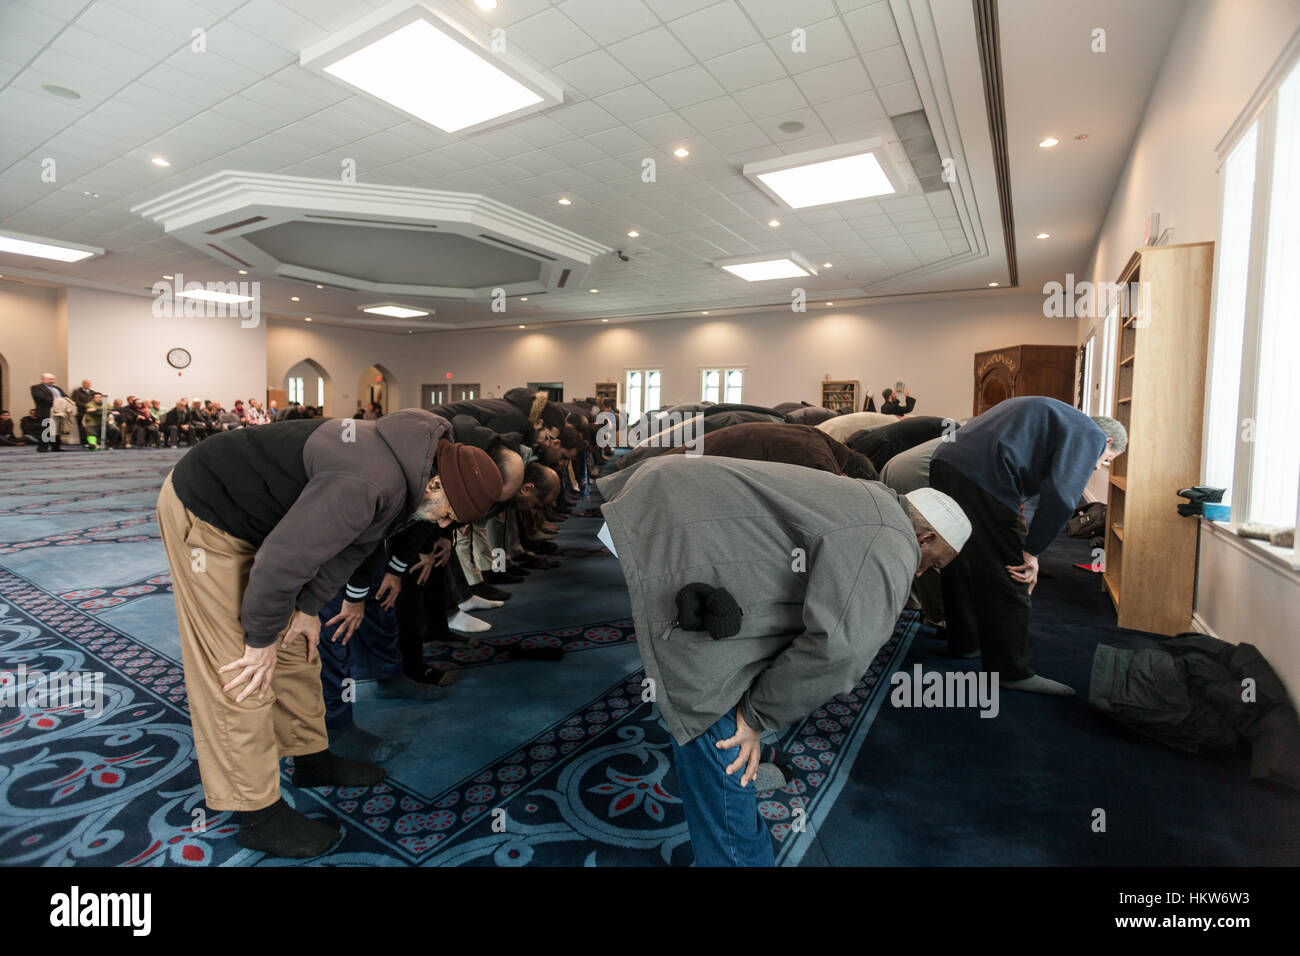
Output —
(118, 343)
(931, 345)
(1219, 55)
(28, 345)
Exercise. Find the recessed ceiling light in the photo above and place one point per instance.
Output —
(704, 313)
(774, 223)
(24, 245)
(523, 298)
(604, 320)
(166, 276)
(410, 331)
(486, 4)
(207, 295)
(90, 194)
(826, 265)
(320, 287)
(565, 201)
(790, 126)
(1048, 143)
(825, 176)
(1044, 235)
(307, 318)
(393, 311)
(243, 272)
(681, 152)
(993, 285)
(62, 91)
(159, 161)
(523, 326)
(758, 269)
(593, 291)
(633, 233)
(429, 65)
(294, 298)
(830, 303)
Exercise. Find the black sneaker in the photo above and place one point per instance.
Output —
(491, 593)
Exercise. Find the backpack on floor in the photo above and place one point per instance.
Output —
(1087, 521)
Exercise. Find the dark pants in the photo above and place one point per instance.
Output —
(44, 415)
(986, 610)
(175, 433)
(721, 815)
(422, 617)
(371, 654)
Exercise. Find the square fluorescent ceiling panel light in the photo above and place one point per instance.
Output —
(760, 268)
(835, 174)
(422, 59)
(21, 244)
(393, 310)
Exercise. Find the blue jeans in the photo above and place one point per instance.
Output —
(726, 829)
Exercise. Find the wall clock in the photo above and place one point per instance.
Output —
(178, 358)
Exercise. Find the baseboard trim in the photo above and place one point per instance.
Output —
(1200, 627)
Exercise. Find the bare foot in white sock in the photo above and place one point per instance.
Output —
(462, 623)
(1037, 684)
(476, 603)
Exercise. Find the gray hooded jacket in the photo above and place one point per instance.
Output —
(820, 564)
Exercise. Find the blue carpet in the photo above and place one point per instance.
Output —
(522, 762)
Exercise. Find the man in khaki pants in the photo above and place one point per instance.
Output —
(261, 527)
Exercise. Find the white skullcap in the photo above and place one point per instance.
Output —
(944, 515)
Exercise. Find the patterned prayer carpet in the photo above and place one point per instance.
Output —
(523, 762)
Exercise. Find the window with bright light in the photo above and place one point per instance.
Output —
(1252, 444)
(643, 391)
(295, 390)
(1229, 313)
(725, 385)
(1106, 405)
(1276, 470)
(320, 392)
(1087, 398)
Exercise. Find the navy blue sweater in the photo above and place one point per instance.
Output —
(1025, 447)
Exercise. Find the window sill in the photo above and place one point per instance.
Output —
(1284, 560)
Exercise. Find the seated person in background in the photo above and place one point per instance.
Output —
(30, 426)
(140, 424)
(784, 637)
(93, 421)
(7, 436)
(890, 405)
(883, 442)
(1020, 449)
(180, 423)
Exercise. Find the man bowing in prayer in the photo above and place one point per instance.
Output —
(262, 526)
(760, 591)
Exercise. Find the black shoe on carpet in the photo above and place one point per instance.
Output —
(540, 547)
(280, 830)
(512, 568)
(498, 577)
(538, 562)
(324, 769)
(491, 593)
(353, 743)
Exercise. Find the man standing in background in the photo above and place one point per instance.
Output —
(45, 395)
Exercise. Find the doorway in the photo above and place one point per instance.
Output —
(554, 390)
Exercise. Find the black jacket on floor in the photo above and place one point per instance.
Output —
(1188, 692)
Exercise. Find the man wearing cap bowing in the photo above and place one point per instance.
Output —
(760, 590)
(262, 526)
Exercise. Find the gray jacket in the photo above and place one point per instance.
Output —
(809, 630)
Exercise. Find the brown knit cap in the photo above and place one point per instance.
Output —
(469, 477)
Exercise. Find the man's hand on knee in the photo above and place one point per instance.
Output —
(308, 625)
(748, 740)
(258, 665)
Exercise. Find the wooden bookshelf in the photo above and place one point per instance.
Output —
(1160, 373)
(841, 396)
(606, 390)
